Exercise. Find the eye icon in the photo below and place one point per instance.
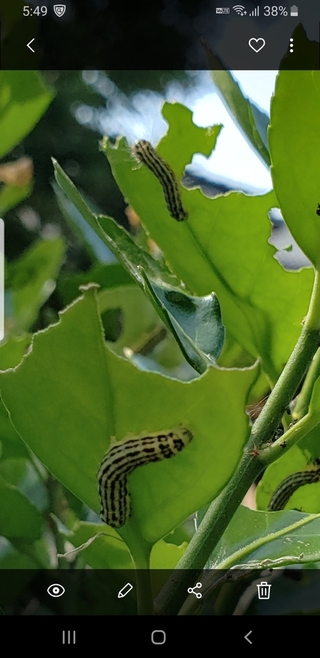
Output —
(55, 590)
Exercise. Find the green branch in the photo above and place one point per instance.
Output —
(253, 461)
(140, 553)
(301, 408)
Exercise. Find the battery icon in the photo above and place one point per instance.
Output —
(294, 10)
(222, 10)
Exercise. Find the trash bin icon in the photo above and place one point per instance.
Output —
(264, 590)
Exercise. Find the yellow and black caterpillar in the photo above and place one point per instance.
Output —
(123, 458)
(145, 153)
(289, 485)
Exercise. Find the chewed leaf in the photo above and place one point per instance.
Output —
(89, 394)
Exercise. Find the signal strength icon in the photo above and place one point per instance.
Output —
(240, 9)
(255, 12)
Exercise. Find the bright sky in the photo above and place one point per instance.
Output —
(139, 117)
(233, 157)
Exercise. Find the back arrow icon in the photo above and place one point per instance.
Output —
(28, 45)
(246, 637)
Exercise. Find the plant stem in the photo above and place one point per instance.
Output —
(140, 552)
(285, 388)
(57, 507)
(301, 408)
(223, 508)
(207, 536)
(293, 435)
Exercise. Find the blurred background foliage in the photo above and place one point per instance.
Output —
(33, 212)
(58, 134)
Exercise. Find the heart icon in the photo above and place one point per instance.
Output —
(257, 44)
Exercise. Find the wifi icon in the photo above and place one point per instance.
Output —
(240, 9)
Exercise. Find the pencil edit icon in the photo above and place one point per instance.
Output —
(125, 590)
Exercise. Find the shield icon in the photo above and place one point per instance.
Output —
(59, 10)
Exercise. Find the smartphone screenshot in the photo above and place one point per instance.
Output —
(159, 322)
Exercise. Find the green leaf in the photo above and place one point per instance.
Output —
(293, 461)
(252, 122)
(12, 446)
(177, 148)
(192, 335)
(295, 153)
(300, 456)
(11, 196)
(135, 329)
(88, 395)
(107, 551)
(19, 519)
(13, 350)
(138, 317)
(194, 321)
(159, 285)
(86, 234)
(222, 247)
(11, 353)
(108, 276)
(268, 539)
(14, 471)
(200, 140)
(30, 281)
(165, 555)
(11, 558)
(24, 98)
(114, 236)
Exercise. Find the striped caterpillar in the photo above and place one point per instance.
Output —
(123, 458)
(289, 485)
(145, 153)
